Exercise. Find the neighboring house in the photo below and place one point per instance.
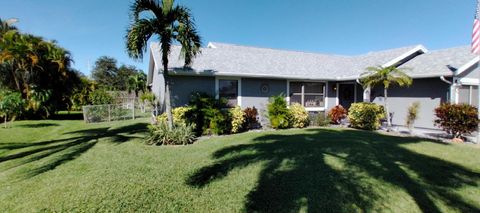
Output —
(248, 76)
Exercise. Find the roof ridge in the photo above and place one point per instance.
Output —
(277, 49)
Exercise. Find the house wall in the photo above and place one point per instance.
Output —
(430, 92)
(183, 86)
(472, 72)
(253, 96)
(158, 87)
(331, 95)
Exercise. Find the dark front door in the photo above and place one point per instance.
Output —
(346, 95)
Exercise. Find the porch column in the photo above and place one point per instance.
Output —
(366, 95)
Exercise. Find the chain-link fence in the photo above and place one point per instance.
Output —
(114, 112)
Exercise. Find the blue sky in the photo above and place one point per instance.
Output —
(92, 28)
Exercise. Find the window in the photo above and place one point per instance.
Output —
(468, 95)
(228, 89)
(308, 94)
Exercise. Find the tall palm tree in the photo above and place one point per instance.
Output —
(385, 76)
(171, 23)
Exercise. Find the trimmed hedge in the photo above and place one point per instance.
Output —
(457, 119)
(365, 115)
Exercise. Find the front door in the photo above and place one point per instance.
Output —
(346, 95)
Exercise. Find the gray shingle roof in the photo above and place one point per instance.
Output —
(235, 60)
(439, 62)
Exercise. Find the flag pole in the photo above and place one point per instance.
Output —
(475, 50)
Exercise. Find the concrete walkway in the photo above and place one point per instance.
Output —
(435, 134)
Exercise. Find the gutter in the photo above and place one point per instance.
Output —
(445, 80)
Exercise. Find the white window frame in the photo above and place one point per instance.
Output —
(310, 109)
(239, 87)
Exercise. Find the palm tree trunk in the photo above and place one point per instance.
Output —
(16, 80)
(168, 105)
(389, 123)
(5, 121)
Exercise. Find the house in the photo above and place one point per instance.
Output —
(248, 76)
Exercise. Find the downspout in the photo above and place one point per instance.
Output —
(452, 88)
(366, 92)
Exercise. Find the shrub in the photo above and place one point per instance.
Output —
(299, 116)
(160, 134)
(207, 115)
(457, 119)
(180, 116)
(148, 97)
(11, 105)
(278, 113)
(238, 119)
(100, 97)
(336, 114)
(251, 121)
(319, 120)
(412, 114)
(365, 115)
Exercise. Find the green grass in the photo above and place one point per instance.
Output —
(65, 165)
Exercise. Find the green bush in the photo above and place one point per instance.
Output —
(457, 119)
(319, 120)
(299, 116)
(180, 115)
(148, 97)
(278, 113)
(100, 97)
(208, 115)
(238, 118)
(11, 105)
(365, 115)
(180, 134)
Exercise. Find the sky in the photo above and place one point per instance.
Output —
(93, 28)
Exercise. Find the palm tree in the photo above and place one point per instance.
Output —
(137, 83)
(171, 24)
(385, 76)
(6, 25)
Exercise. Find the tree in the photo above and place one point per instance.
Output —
(105, 72)
(6, 25)
(125, 72)
(385, 76)
(137, 83)
(11, 104)
(38, 69)
(170, 23)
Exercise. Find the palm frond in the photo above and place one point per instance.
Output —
(385, 75)
(138, 35)
(140, 6)
(187, 35)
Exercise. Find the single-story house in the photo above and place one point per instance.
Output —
(248, 76)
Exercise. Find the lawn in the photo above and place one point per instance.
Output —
(65, 165)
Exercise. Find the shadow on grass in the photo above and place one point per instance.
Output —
(38, 125)
(43, 156)
(329, 170)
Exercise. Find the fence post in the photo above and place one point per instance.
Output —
(133, 110)
(109, 117)
(84, 109)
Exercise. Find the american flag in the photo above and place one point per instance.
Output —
(476, 31)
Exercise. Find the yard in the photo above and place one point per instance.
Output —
(66, 165)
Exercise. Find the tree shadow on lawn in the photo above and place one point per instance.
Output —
(37, 125)
(53, 153)
(298, 172)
